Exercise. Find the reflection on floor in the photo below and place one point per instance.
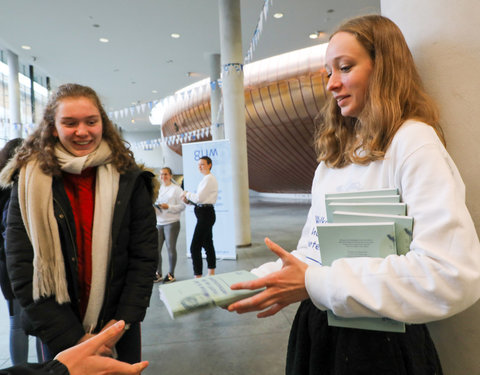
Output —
(215, 341)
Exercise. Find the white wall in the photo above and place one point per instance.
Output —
(443, 37)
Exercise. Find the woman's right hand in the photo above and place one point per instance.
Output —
(281, 288)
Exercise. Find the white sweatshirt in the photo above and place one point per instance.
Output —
(439, 276)
(170, 195)
(207, 191)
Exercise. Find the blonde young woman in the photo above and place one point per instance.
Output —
(168, 207)
(379, 129)
(81, 238)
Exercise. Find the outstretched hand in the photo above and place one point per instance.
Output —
(83, 359)
(282, 287)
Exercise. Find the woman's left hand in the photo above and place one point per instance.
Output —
(282, 287)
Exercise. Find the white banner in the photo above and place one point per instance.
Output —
(224, 228)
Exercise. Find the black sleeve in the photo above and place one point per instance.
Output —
(142, 256)
(49, 368)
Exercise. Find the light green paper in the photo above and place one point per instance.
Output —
(186, 296)
(363, 239)
(378, 208)
(349, 240)
(364, 193)
(403, 225)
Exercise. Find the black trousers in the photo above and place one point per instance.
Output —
(316, 348)
(203, 237)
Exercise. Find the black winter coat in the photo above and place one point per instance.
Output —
(131, 269)
(4, 280)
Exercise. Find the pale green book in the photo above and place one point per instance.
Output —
(342, 240)
(372, 324)
(186, 296)
(386, 191)
(403, 225)
(347, 240)
(365, 199)
(376, 208)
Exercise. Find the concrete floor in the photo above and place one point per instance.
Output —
(215, 341)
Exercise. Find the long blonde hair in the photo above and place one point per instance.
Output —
(395, 94)
(41, 143)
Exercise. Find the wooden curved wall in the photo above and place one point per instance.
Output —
(283, 95)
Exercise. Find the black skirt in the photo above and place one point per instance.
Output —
(316, 348)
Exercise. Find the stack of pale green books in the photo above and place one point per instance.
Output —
(186, 296)
(369, 223)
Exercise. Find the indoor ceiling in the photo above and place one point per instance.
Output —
(141, 62)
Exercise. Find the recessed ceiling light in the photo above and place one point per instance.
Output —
(154, 92)
(278, 15)
(103, 40)
(318, 35)
(193, 74)
(175, 35)
(26, 47)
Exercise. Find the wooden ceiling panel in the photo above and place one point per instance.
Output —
(280, 111)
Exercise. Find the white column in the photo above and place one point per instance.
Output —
(14, 95)
(218, 131)
(234, 113)
(446, 48)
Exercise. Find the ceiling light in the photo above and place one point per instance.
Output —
(278, 15)
(154, 92)
(318, 35)
(193, 74)
(26, 47)
(103, 40)
(175, 35)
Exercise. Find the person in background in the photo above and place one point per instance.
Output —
(168, 207)
(81, 238)
(18, 337)
(83, 359)
(203, 199)
(379, 129)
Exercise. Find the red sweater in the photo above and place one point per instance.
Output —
(81, 193)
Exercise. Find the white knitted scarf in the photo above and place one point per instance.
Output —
(36, 206)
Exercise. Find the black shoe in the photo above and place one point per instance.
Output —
(157, 278)
(169, 278)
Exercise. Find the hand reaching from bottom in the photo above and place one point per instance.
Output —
(82, 359)
(282, 287)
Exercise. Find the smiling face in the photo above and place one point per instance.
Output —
(78, 125)
(166, 177)
(349, 68)
(204, 167)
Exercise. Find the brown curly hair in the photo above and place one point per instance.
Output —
(41, 143)
(395, 94)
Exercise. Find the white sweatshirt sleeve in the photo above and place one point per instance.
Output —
(175, 203)
(207, 191)
(440, 276)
